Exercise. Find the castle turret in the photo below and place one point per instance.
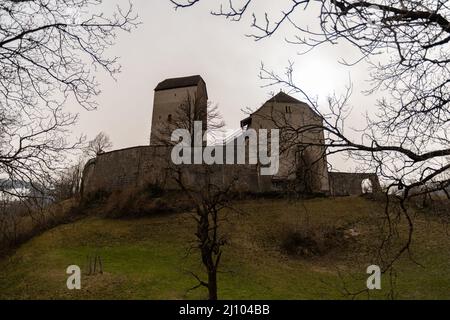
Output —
(178, 102)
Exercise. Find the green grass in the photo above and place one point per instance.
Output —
(148, 258)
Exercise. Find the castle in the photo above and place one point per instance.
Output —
(179, 102)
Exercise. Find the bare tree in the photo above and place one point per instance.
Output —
(100, 144)
(210, 200)
(208, 197)
(49, 54)
(67, 184)
(406, 44)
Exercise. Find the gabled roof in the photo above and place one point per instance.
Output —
(280, 97)
(283, 98)
(182, 82)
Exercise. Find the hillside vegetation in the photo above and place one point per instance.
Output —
(278, 249)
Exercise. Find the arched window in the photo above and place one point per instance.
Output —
(169, 118)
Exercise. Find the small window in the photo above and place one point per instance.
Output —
(288, 109)
(169, 118)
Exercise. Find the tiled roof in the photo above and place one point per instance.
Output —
(182, 82)
(283, 98)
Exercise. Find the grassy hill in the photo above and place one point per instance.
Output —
(149, 258)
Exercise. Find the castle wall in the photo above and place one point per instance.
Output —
(346, 184)
(140, 166)
(130, 167)
(306, 168)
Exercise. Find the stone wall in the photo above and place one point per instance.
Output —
(272, 115)
(140, 166)
(346, 184)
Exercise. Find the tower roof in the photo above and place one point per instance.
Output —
(280, 97)
(283, 98)
(182, 82)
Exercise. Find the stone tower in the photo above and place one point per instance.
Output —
(170, 96)
(290, 113)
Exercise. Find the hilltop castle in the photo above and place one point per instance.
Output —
(180, 102)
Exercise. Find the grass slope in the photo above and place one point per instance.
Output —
(147, 258)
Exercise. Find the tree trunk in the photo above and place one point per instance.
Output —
(212, 284)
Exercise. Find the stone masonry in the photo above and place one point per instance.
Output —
(143, 165)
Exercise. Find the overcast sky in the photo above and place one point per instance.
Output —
(172, 43)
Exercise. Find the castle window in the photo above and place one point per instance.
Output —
(288, 109)
(169, 118)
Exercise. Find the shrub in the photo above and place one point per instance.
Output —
(318, 241)
(19, 223)
(138, 202)
(154, 190)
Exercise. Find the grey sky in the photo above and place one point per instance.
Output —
(173, 43)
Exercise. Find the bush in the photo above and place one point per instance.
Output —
(92, 200)
(139, 202)
(19, 223)
(319, 241)
(298, 244)
(154, 190)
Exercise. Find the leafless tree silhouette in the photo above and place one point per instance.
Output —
(210, 200)
(100, 144)
(407, 46)
(208, 197)
(49, 54)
